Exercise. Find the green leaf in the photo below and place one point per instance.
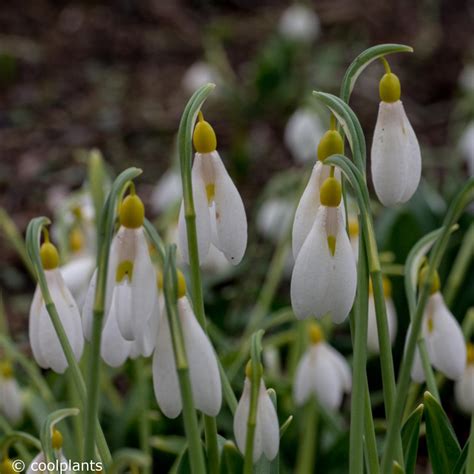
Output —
(461, 461)
(128, 457)
(410, 437)
(443, 446)
(363, 60)
(168, 444)
(231, 460)
(48, 428)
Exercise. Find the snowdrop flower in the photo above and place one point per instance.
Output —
(322, 372)
(354, 235)
(330, 144)
(131, 290)
(202, 361)
(274, 218)
(299, 23)
(220, 213)
(443, 337)
(466, 145)
(11, 404)
(40, 459)
(324, 276)
(464, 387)
(267, 432)
(302, 134)
(396, 156)
(167, 191)
(47, 349)
(197, 75)
(372, 334)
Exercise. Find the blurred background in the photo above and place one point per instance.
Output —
(116, 76)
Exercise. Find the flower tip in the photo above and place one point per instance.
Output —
(49, 256)
(389, 88)
(132, 212)
(57, 440)
(204, 137)
(330, 193)
(331, 143)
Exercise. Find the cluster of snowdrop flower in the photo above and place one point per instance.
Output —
(324, 276)
(267, 432)
(322, 372)
(443, 336)
(11, 405)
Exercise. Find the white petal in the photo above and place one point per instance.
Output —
(302, 387)
(203, 368)
(273, 218)
(321, 282)
(124, 311)
(39, 458)
(241, 417)
(165, 378)
(464, 390)
(87, 309)
(446, 342)
(231, 221)
(372, 334)
(37, 306)
(11, 400)
(76, 274)
(417, 371)
(145, 344)
(396, 159)
(267, 423)
(144, 285)
(201, 208)
(341, 367)
(114, 348)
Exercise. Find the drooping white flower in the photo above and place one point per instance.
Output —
(444, 341)
(40, 459)
(167, 191)
(330, 144)
(145, 344)
(267, 433)
(354, 235)
(324, 277)
(299, 23)
(220, 213)
(303, 131)
(322, 372)
(464, 387)
(395, 156)
(202, 361)
(76, 274)
(11, 403)
(131, 290)
(197, 75)
(372, 331)
(466, 145)
(45, 344)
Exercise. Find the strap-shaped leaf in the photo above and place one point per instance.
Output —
(443, 446)
(410, 437)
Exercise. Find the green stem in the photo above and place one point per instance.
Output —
(470, 450)
(308, 439)
(191, 426)
(144, 421)
(427, 369)
(394, 422)
(369, 435)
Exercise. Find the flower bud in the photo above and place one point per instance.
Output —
(330, 144)
(315, 333)
(49, 256)
(6, 370)
(57, 440)
(181, 284)
(6, 467)
(204, 137)
(330, 193)
(132, 212)
(435, 284)
(248, 370)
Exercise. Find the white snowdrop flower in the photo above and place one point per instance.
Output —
(40, 459)
(299, 23)
(372, 331)
(302, 134)
(76, 274)
(330, 144)
(267, 432)
(395, 155)
(167, 192)
(202, 361)
(322, 372)
(145, 344)
(11, 404)
(324, 276)
(443, 337)
(354, 235)
(466, 146)
(464, 387)
(45, 344)
(197, 75)
(274, 218)
(220, 213)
